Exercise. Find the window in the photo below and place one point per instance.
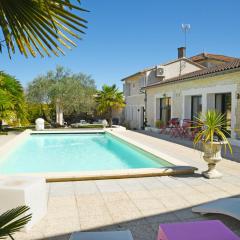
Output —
(165, 109)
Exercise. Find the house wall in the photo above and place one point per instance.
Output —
(133, 111)
(135, 99)
(171, 70)
(180, 93)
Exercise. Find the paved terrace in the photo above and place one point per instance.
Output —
(136, 204)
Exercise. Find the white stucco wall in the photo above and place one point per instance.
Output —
(182, 91)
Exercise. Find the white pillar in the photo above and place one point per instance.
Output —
(204, 103)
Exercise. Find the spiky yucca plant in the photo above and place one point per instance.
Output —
(11, 221)
(212, 127)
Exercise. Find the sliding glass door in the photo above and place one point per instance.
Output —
(165, 109)
(196, 107)
(223, 105)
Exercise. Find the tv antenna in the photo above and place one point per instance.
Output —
(185, 28)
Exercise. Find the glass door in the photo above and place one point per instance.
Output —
(165, 110)
(196, 107)
(223, 105)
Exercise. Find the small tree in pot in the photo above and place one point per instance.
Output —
(212, 135)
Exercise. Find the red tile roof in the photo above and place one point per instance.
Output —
(204, 56)
(220, 68)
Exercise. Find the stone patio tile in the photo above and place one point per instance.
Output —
(61, 201)
(140, 194)
(61, 189)
(196, 199)
(206, 188)
(92, 223)
(153, 212)
(94, 210)
(61, 226)
(59, 237)
(231, 179)
(184, 214)
(174, 203)
(151, 183)
(143, 232)
(174, 183)
(148, 203)
(114, 196)
(89, 198)
(227, 187)
(28, 235)
(161, 192)
(108, 186)
(58, 212)
(217, 195)
(123, 216)
(121, 206)
(193, 181)
(185, 191)
(162, 218)
(85, 187)
(130, 185)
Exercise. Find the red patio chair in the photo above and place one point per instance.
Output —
(174, 127)
(185, 131)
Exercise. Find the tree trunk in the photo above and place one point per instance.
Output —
(110, 118)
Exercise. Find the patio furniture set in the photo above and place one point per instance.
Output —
(179, 128)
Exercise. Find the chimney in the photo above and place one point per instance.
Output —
(181, 52)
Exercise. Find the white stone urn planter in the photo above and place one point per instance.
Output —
(212, 155)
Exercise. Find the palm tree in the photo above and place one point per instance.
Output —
(109, 99)
(12, 103)
(11, 221)
(39, 25)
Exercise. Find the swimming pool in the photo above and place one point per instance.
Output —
(44, 153)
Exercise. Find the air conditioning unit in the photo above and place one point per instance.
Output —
(159, 72)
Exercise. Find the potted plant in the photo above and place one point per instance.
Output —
(212, 136)
(159, 123)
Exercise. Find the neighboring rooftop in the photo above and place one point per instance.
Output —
(207, 71)
(203, 60)
(209, 56)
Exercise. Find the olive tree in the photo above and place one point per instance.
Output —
(63, 91)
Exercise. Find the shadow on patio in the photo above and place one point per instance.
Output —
(188, 143)
(146, 228)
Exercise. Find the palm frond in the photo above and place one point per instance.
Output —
(11, 221)
(40, 26)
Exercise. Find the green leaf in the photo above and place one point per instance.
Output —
(11, 221)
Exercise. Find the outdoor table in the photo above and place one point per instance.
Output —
(198, 230)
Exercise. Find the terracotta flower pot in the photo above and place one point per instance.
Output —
(212, 155)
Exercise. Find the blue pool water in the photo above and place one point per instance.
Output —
(76, 152)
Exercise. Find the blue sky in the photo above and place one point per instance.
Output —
(128, 35)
